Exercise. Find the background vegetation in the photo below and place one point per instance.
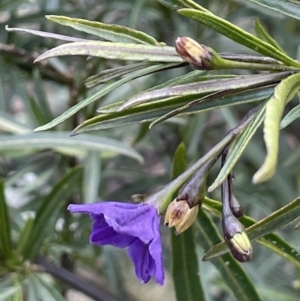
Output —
(44, 251)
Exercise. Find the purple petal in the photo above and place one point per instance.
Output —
(102, 234)
(128, 225)
(138, 252)
(129, 219)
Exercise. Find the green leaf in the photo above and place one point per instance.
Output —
(9, 124)
(205, 87)
(152, 110)
(110, 32)
(276, 220)
(44, 290)
(91, 180)
(24, 237)
(115, 51)
(45, 34)
(264, 228)
(177, 4)
(62, 142)
(291, 116)
(5, 231)
(239, 145)
(290, 8)
(283, 93)
(109, 74)
(106, 88)
(179, 164)
(238, 35)
(262, 33)
(278, 294)
(185, 268)
(47, 214)
(231, 271)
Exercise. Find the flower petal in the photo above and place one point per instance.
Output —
(130, 219)
(139, 254)
(132, 225)
(102, 234)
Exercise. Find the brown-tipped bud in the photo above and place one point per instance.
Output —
(199, 56)
(180, 215)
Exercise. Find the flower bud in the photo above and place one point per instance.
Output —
(180, 215)
(194, 190)
(234, 234)
(235, 206)
(199, 56)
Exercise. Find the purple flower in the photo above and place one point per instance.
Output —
(135, 226)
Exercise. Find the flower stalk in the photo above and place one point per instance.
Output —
(163, 197)
(203, 57)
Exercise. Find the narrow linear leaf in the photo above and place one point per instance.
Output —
(276, 220)
(291, 116)
(24, 237)
(240, 144)
(5, 231)
(91, 180)
(48, 212)
(179, 162)
(283, 93)
(45, 34)
(289, 8)
(115, 51)
(109, 74)
(278, 294)
(104, 90)
(177, 4)
(262, 33)
(44, 290)
(238, 35)
(241, 287)
(9, 124)
(185, 268)
(110, 32)
(264, 228)
(63, 140)
(184, 257)
(204, 87)
(150, 111)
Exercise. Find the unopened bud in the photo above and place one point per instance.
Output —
(194, 190)
(235, 206)
(241, 243)
(234, 234)
(199, 56)
(180, 215)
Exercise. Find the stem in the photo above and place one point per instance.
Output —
(229, 64)
(162, 198)
(74, 281)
